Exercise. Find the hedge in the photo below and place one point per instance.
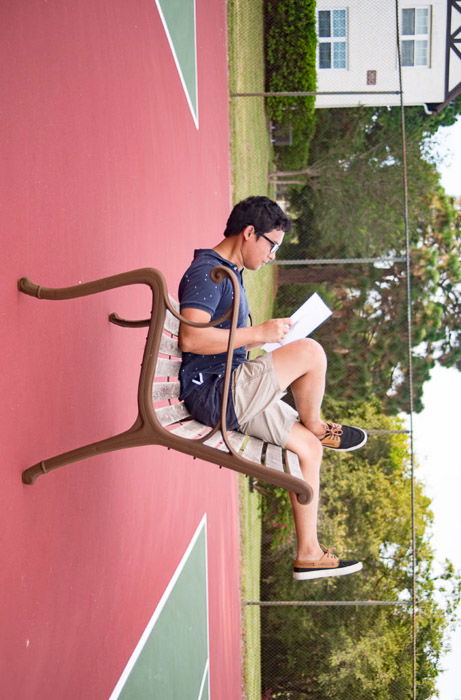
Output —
(291, 45)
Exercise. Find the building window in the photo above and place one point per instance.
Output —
(332, 35)
(415, 24)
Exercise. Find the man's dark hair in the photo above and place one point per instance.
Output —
(261, 212)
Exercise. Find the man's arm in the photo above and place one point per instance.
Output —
(212, 341)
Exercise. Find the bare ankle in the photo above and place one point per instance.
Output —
(318, 428)
(309, 553)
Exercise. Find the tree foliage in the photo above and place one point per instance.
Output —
(354, 194)
(353, 207)
(361, 652)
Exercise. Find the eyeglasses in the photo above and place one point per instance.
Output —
(274, 246)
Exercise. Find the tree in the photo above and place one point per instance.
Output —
(354, 186)
(353, 207)
(361, 652)
(418, 123)
(367, 340)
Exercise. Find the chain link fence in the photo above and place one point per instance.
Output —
(347, 164)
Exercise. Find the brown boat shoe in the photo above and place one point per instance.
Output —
(327, 565)
(343, 438)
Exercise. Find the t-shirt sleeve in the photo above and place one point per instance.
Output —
(197, 291)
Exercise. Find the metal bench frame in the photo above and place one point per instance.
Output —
(162, 419)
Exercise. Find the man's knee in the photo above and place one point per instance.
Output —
(305, 444)
(313, 351)
(296, 359)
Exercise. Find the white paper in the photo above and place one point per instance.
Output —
(306, 319)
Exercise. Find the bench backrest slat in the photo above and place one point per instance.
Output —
(162, 391)
(171, 322)
(167, 368)
(169, 346)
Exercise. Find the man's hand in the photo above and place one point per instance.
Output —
(274, 330)
(210, 341)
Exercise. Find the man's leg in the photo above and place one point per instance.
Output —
(303, 365)
(309, 451)
(261, 413)
(311, 560)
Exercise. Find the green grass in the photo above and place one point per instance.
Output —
(250, 528)
(251, 148)
(252, 158)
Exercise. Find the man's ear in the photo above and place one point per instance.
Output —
(247, 231)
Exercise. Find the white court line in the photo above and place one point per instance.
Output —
(204, 678)
(183, 82)
(206, 673)
(150, 625)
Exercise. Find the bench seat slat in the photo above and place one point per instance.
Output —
(274, 457)
(236, 439)
(172, 413)
(253, 449)
(215, 441)
(190, 429)
(292, 464)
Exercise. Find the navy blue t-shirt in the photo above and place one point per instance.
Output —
(202, 376)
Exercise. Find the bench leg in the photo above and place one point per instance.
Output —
(130, 438)
(136, 435)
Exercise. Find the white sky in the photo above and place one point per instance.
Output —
(435, 432)
(448, 139)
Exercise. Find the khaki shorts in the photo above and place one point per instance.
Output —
(257, 402)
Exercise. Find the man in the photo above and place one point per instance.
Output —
(254, 231)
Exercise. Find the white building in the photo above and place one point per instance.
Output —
(357, 51)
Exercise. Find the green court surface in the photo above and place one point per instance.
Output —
(179, 21)
(171, 660)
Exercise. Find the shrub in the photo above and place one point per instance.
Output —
(291, 44)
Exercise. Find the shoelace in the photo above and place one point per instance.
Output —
(328, 553)
(333, 431)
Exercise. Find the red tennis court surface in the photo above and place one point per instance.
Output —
(103, 170)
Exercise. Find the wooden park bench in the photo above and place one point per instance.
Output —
(163, 419)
